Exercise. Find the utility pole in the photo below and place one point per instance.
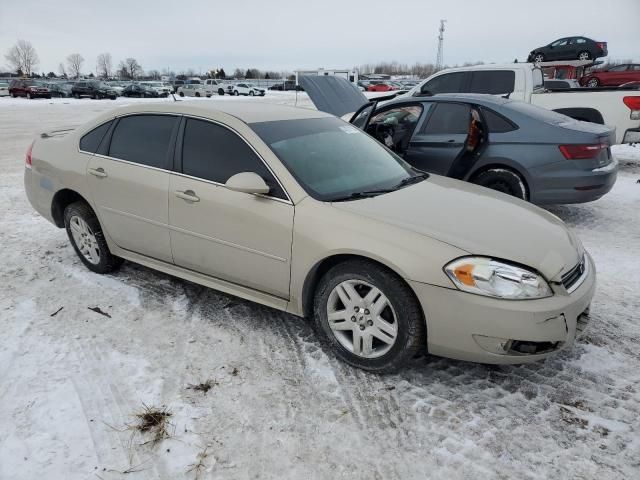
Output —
(439, 60)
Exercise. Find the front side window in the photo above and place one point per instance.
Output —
(449, 119)
(618, 68)
(332, 159)
(494, 82)
(91, 141)
(213, 152)
(143, 139)
(447, 83)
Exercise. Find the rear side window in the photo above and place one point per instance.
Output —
(91, 141)
(494, 82)
(213, 152)
(496, 123)
(448, 118)
(447, 83)
(143, 139)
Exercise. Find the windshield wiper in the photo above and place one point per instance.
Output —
(372, 193)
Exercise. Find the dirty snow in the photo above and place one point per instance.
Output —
(282, 407)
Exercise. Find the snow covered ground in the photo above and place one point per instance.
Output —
(280, 407)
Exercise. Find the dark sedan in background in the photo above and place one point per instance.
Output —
(506, 145)
(94, 89)
(569, 48)
(141, 91)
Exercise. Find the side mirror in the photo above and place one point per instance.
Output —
(247, 182)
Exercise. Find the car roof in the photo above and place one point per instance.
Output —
(479, 98)
(248, 112)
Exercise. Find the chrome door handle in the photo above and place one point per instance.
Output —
(98, 172)
(188, 195)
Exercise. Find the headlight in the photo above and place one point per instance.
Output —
(492, 278)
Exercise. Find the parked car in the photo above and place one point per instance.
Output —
(569, 48)
(28, 88)
(388, 260)
(4, 89)
(60, 89)
(160, 87)
(95, 89)
(213, 86)
(505, 145)
(612, 76)
(561, 84)
(381, 87)
(177, 84)
(193, 90)
(244, 89)
(117, 86)
(140, 91)
(286, 86)
(524, 81)
(258, 91)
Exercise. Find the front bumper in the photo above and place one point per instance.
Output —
(475, 328)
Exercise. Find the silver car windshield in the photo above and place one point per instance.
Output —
(334, 160)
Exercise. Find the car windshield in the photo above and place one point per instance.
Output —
(333, 160)
(98, 84)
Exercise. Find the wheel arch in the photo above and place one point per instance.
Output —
(584, 114)
(314, 275)
(61, 200)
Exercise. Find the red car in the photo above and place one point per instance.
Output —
(28, 88)
(380, 87)
(612, 77)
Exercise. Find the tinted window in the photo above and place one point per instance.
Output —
(494, 82)
(215, 153)
(496, 123)
(91, 141)
(449, 118)
(618, 68)
(143, 139)
(447, 83)
(581, 40)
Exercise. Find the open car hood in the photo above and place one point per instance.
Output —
(331, 94)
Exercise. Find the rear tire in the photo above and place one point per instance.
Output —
(503, 180)
(220, 91)
(584, 55)
(76, 96)
(181, 94)
(87, 239)
(197, 94)
(399, 314)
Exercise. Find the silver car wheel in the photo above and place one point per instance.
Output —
(538, 58)
(362, 319)
(85, 239)
(584, 56)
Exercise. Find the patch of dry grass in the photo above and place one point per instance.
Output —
(153, 421)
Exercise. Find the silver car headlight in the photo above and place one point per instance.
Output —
(493, 278)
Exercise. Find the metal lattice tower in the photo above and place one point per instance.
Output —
(439, 59)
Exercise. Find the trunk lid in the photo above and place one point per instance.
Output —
(332, 94)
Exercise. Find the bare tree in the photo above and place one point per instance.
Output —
(130, 68)
(74, 63)
(154, 74)
(62, 71)
(103, 65)
(22, 56)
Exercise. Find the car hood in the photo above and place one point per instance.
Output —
(477, 220)
(331, 94)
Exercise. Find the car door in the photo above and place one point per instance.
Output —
(616, 75)
(441, 137)
(393, 126)
(129, 182)
(558, 49)
(237, 237)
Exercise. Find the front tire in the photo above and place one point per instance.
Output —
(503, 180)
(593, 83)
(220, 91)
(235, 92)
(197, 94)
(181, 94)
(368, 316)
(29, 96)
(251, 93)
(538, 57)
(87, 239)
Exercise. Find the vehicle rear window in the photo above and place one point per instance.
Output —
(213, 152)
(91, 141)
(448, 118)
(494, 82)
(538, 113)
(496, 123)
(446, 83)
(143, 139)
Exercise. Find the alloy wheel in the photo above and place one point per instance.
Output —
(362, 318)
(584, 56)
(538, 58)
(85, 239)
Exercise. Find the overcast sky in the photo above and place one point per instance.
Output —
(288, 35)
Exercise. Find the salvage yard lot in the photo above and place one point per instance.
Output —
(72, 376)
